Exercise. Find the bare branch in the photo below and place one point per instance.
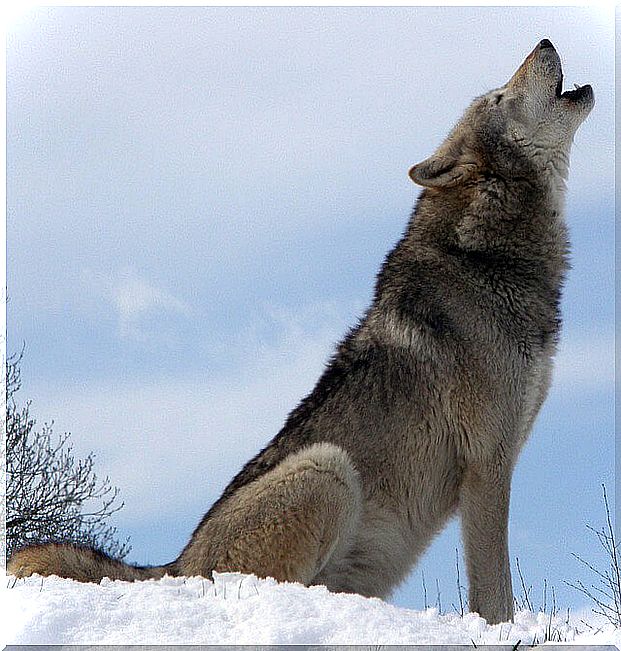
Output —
(50, 495)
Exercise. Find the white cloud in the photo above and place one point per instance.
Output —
(134, 300)
(585, 361)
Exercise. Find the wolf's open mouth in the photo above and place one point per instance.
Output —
(577, 93)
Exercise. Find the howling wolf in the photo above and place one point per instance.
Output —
(426, 403)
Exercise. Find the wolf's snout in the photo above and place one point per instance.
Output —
(545, 43)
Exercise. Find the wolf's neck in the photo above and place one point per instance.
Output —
(557, 184)
(554, 169)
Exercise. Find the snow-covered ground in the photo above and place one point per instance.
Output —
(237, 609)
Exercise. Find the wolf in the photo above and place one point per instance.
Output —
(426, 403)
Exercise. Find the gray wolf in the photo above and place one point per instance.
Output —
(425, 405)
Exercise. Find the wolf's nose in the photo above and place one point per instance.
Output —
(545, 43)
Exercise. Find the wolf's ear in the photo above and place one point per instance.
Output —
(440, 171)
(452, 163)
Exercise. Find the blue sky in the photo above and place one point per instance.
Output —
(198, 200)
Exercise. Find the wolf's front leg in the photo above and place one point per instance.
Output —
(484, 504)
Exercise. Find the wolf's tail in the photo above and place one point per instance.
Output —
(79, 563)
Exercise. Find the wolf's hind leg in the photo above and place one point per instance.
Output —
(286, 524)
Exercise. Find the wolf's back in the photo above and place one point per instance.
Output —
(76, 562)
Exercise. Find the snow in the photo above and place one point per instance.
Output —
(239, 609)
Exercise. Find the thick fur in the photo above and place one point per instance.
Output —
(424, 407)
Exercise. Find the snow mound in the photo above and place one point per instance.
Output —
(239, 609)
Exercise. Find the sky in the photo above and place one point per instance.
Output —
(198, 200)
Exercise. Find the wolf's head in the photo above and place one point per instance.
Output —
(521, 128)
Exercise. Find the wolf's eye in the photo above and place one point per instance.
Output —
(498, 98)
